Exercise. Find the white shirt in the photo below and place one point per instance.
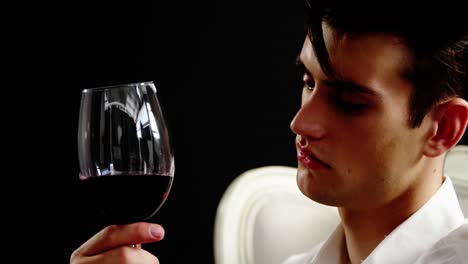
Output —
(436, 233)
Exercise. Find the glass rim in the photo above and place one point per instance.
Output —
(114, 86)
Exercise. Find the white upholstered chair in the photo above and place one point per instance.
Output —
(263, 218)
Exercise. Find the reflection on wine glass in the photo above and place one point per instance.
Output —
(125, 156)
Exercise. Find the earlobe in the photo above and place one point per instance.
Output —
(449, 124)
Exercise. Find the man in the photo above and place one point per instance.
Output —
(384, 100)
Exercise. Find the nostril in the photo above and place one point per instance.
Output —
(302, 142)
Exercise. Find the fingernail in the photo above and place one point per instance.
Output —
(157, 231)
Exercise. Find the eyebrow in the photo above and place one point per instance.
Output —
(299, 60)
(340, 84)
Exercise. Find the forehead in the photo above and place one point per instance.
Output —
(367, 59)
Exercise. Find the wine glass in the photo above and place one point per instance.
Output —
(125, 155)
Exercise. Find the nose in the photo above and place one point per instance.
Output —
(309, 121)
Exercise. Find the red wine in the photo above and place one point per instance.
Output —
(121, 199)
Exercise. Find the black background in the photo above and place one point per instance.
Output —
(226, 81)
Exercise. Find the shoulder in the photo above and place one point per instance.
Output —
(452, 249)
(304, 258)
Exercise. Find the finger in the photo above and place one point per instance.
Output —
(114, 236)
(121, 255)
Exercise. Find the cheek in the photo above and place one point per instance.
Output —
(365, 146)
(385, 154)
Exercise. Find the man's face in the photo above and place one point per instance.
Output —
(355, 146)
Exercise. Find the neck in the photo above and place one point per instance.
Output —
(365, 229)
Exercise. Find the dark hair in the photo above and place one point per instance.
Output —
(437, 35)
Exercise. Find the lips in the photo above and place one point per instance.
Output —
(307, 158)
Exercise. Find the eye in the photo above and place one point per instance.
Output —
(307, 78)
(351, 108)
(309, 82)
(349, 102)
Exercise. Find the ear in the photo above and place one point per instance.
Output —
(448, 126)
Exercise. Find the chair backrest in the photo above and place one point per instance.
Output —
(456, 167)
(263, 218)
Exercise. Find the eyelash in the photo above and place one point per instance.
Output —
(343, 105)
(347, 107)
(309, 85)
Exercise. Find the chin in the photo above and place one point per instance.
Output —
(325, 198)
(315, 193)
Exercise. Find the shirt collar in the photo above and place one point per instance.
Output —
(435, 219)
(335, 244)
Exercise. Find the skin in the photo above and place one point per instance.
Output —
(378, 170)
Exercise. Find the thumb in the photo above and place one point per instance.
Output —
(114, 236)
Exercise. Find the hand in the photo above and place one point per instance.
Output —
(119, 244)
